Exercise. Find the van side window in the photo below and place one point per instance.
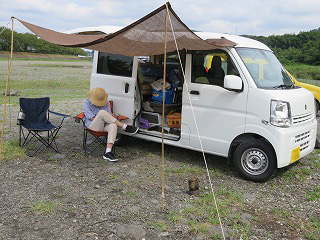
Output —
(115, 64)
(210, 67)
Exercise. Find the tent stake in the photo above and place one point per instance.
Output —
(163, 98)
(6, 92)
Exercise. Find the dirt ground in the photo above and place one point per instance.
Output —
(70, 196)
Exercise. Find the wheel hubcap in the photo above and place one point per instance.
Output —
(254, 161)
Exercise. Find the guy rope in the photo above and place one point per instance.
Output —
(6, 91)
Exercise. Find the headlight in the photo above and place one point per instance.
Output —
(280, 114)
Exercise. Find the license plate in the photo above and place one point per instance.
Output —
(295, 154)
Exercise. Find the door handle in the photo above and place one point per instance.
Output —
(126, 88)
(194, 92)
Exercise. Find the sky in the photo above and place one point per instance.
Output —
(252, 17)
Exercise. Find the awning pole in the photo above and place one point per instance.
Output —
(164, 97)
(6, 92)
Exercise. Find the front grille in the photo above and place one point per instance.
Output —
(303, 140)
(304, 146)
(302, 136)
(302, 118)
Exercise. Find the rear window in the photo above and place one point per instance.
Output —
(115, 64)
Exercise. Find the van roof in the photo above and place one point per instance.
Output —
(102, 29)
(241, 41)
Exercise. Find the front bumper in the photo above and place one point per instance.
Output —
(290, 139)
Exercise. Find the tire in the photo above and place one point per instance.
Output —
(316, 107)
(255, 160)
(121, 140)
(317, 145)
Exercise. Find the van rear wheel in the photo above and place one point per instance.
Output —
(255, 160)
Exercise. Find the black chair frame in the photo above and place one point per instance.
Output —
(100, 138)
(35, 134)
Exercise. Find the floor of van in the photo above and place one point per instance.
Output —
(151, 124)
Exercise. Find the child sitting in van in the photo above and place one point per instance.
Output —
(98, 118)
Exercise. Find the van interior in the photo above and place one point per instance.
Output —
(150, 84)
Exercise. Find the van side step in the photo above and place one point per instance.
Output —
(159, 134)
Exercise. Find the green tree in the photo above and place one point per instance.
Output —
(24, 40)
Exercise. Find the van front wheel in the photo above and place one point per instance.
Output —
(317, 106)
(255, 160)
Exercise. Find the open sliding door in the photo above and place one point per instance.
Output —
(117, 75)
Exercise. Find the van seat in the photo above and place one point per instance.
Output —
(201, 80)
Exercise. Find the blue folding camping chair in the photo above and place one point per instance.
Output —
(35, 120)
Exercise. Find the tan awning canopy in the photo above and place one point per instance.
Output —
(142, 38)
(62, 39)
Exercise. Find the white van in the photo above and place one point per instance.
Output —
(245, 104)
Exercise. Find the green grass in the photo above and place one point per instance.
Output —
(112, 176)
(280, 212)
(43, 207)
(28, 56)
(314, 226)
(198, 227)
(217, 237)
(158, 225)
(314, 194)
(174, 217)
(201, 214)
(63, 80)
(315, 162)
(11, 150)
(309, 229)
(303, 71)
(299, 173)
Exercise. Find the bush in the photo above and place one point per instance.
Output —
(304, 71)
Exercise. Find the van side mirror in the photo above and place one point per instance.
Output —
(233, 83)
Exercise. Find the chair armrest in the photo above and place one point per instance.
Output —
(59, 114)
(79, 117)
(121, 118)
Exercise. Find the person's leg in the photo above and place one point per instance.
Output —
(112, 133)
(102, 118)
(100, 121)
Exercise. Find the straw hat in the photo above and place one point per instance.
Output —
(98, 97)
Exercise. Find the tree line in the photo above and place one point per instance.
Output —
(27, 42)
(303, 47)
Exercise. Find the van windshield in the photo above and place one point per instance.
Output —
(265, 69)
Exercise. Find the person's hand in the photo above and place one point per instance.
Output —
(92, 119)
(114, 115)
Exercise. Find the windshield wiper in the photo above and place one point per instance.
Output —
(284, 86)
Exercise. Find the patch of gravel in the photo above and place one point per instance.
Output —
(94, 199)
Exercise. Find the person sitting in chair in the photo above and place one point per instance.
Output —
(98, 118)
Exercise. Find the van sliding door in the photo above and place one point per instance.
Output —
(117, 75)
